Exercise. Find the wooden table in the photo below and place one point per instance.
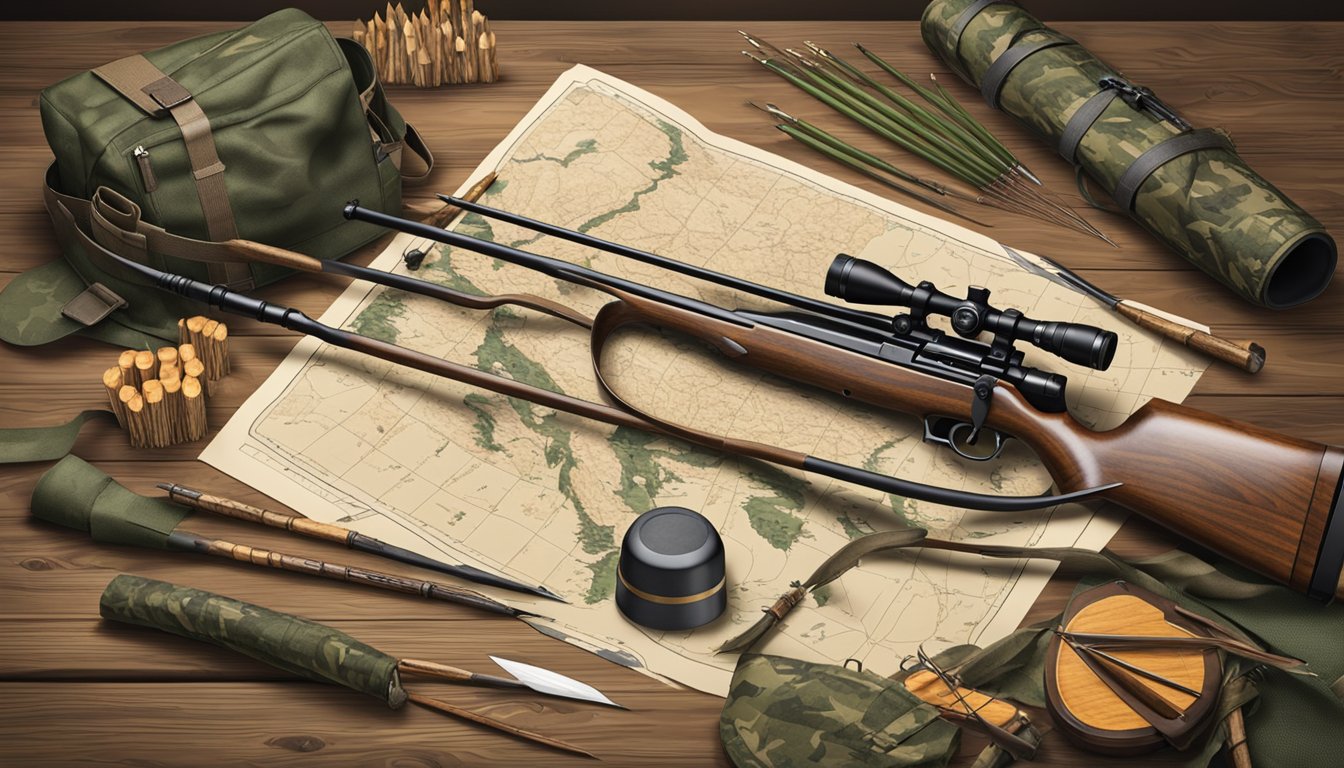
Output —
(74, 690)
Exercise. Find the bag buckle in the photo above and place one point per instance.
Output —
(1143, 99)
(93, 305)
(167, 93)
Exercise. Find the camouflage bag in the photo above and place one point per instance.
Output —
(783, 713)
(259, 133)
(1187, 187)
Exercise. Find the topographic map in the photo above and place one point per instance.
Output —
(541, 496)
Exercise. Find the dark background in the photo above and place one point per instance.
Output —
(1050, 10)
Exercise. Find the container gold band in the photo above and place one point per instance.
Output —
(661, 600)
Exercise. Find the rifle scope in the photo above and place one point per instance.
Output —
(863, 282)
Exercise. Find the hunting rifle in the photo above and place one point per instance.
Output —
(1267, 501)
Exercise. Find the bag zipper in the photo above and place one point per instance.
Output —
(146, 169)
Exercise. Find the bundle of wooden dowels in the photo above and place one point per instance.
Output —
(447, 42)
(159, 397)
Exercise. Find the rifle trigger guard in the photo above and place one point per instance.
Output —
(951, 432)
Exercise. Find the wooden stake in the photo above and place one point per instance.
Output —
(136, 427)
(146, 367)
(193, 406)
(193, 368)
(469, 31)
(112, 382)
(169, 366)
(220, 349)
(167, 356)
(176, 409)
(483, 58)
(193, 326)
(126, 362)
(160, 432)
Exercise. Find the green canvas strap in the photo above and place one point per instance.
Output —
(137, 79)
(78, 495)
(18, 445)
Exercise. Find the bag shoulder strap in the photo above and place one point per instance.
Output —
(373, 100)
(145, 85)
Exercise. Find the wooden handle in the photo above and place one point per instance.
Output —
(1246, 355)
(240, 511)
(498, 725)
(1236, 739)
(434, 669)
(932, 690)
(252, 251)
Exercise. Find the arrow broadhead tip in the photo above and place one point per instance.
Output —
(551, 683)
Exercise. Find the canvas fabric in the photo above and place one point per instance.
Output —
(789, 713)
(284, 641)
(260, 133)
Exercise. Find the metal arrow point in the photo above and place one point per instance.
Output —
(553, 683)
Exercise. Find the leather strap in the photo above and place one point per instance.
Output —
(991, 85)
(964, 20)
(136, 78)
(1081, 121)
(416, 144)
(1159, 155)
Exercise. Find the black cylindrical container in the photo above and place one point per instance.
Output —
(671, 573)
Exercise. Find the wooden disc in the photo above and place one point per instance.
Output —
(1097, 716)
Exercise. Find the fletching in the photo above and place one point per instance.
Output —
(552, 683)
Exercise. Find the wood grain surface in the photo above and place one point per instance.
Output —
(76, 691)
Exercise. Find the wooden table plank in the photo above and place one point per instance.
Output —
(76, 690)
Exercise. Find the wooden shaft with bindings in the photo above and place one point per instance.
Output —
(186, 540)
(1268, 501)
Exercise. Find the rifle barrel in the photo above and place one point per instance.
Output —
(673, 265)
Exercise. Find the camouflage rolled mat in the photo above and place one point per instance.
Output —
(1199, 198)
(305, 648)
(783, 712)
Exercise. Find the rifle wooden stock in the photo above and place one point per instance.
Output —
(1262, 499)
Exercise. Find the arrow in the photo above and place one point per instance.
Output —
(543, 681)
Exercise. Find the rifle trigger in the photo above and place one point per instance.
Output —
(983, 393)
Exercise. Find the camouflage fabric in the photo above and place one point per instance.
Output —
(782, 713)
(296, 645)
(1208, 205)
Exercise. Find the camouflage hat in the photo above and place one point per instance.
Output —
(785, 712)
